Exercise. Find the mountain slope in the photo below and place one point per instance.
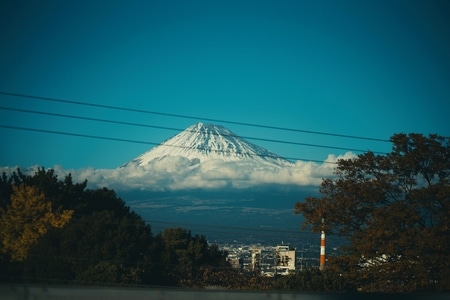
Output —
(204, 142)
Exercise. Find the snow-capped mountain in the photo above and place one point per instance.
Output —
(204, 142)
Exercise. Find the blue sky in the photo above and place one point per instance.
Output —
(361, 68)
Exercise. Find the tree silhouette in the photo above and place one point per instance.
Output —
(394, 210)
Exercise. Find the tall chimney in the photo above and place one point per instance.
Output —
(322, 247)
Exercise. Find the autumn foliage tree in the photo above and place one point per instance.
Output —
(394, 210)
(29, 216)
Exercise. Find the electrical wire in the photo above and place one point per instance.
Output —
(154, 143)
(189, 117)
(180, 130)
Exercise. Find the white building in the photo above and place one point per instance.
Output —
(285, 259)
(256, 258)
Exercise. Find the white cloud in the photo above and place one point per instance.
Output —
(179, 173)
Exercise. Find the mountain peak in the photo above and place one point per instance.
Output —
(207, 128)
(203, 142)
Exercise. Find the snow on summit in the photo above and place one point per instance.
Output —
(204, 142)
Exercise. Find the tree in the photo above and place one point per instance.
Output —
(394, 210)
(64, 194)
(184, 257)
(314, 280)
(5, 191)
(26, 218)
(105, 246)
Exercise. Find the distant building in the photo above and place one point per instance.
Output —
(256, 258)
(235, 261)
(268, 260)
(285, 258)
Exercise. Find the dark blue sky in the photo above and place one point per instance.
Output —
(363, 68)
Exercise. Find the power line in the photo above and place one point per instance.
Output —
(189, 117)
(178, 129)
(78, 135)
(150, 143)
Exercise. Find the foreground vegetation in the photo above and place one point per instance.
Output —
(61, 232)
(394, 209)
(58, 232)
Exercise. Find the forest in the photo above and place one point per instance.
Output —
(58, 231)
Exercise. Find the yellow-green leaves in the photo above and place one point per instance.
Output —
(27, 218)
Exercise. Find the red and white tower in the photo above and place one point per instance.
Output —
(322, 247)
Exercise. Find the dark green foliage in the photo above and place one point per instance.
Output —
(5, 190)
(307, 280)
(64, 194)
(104, 242)
(92, 243)
(314, 280)
(183, 256)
